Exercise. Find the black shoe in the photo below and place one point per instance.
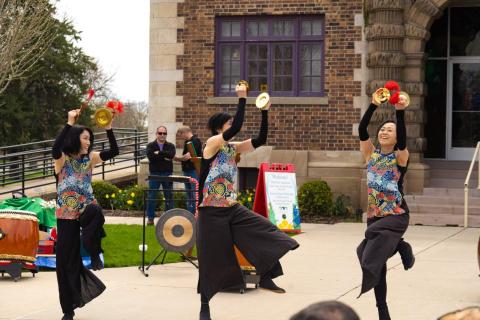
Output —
(96, 263)
(205, 312)
(406, 253)
(268, 284)
(68, 316)
(383, 313)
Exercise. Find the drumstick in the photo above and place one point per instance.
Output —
(84, 105)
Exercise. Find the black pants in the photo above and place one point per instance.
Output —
(382, 238)
(262, 243)
(76, 284)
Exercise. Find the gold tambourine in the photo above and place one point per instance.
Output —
(244, 83)
(103, 117)
(382, 95)
(406, 97)
(262, 100)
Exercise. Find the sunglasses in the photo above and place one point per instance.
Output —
(162, 133)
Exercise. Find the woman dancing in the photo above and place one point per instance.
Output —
(78, 210)
(223, 222)
(387, 214)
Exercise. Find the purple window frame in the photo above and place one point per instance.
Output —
(297, 40)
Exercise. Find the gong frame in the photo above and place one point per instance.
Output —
(163, 253)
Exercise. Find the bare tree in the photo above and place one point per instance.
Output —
(134, 116)
(26, 32)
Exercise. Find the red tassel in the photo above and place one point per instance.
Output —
(117, 106)
(392, 86)
(394, 98)
(91, 92)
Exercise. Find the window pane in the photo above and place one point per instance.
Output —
(236, 29)
(283, 28)
(277, 28)
(305, 68)
(306, 28)
(226, 67)
(225, 84)
(305, 84)
(288, 67)
(306, 53)
(263, 29)
(317, 27)
(277, 84)
(226, 53)
(316, 52)
(316, 84)
(277, 52)
(236, 52)
(226, 29)
(262, 67)
(252, 29)
(263, 51)
(288, 52)
(287, 84)
(288, 28)
(465, 31)
(252, 67)
(235, 68)
(253, 82)
(252, 52)
(316, 68)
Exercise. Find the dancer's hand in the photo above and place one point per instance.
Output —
(374, 101)
(241, 91)
(402, 103)
(72, 116)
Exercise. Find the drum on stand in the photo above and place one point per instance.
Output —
(18, 241)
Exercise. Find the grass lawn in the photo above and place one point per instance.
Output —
(121, 246)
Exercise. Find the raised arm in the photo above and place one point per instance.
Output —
(366, 145)
(104, 155)
(57, 152)
(251, 144)
(402, 152)
(215, 143)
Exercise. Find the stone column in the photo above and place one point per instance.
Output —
(164, 49)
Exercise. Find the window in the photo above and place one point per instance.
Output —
(283, 55)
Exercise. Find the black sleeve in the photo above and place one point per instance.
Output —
(237, 120)
(261, 139)
(197, 144)
(151, 153)
(58, 144)
(362, 127)
(401, 130)
(113, 151)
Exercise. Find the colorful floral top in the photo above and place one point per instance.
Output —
(74, 190)
(385, 185)
(218, 187)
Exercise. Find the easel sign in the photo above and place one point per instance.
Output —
(276, 196)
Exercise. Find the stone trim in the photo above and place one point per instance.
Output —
(323, 101)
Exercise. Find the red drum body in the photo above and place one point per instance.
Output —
(18, 235)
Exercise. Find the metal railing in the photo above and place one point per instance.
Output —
(28, 162)
(467, 180)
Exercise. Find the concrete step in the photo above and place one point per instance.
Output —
(442, 200)
(443, 208)
(432, 219)
(446, 164)
(450, 192)
(453, 174)
(450, 183)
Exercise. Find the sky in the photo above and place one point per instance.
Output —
(116, 33)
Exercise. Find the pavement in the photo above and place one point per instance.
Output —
(445, 278)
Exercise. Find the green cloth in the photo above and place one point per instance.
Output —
(45, 210)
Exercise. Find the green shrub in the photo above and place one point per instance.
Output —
(342, 207)
(246, 198)
(103, 192)
(315, 198)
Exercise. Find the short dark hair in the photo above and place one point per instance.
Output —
(72, 143)
(326, 310)
(217, 121)
(395, 147)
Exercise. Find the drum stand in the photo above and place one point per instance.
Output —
(14, 269)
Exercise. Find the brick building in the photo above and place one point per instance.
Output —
(320, 60)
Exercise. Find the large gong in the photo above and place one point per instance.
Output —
(175, 230)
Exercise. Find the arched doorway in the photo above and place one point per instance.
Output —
(452, 76)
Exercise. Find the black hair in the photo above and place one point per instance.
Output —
(326, 310)
(72, 144)
(217, 121)
(395, 147)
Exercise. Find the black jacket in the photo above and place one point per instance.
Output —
(163, 160)
(197, 145)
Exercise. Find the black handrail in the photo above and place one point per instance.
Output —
(37, 164)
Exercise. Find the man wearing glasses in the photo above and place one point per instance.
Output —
(160, 154)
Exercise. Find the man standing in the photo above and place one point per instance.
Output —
(188, 167)
(160, 154)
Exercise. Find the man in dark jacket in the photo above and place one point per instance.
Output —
(160, 154)
(188, 166)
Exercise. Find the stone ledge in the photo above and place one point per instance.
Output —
(275, 100)
(331, 164)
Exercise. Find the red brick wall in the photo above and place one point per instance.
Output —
(299, 127)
